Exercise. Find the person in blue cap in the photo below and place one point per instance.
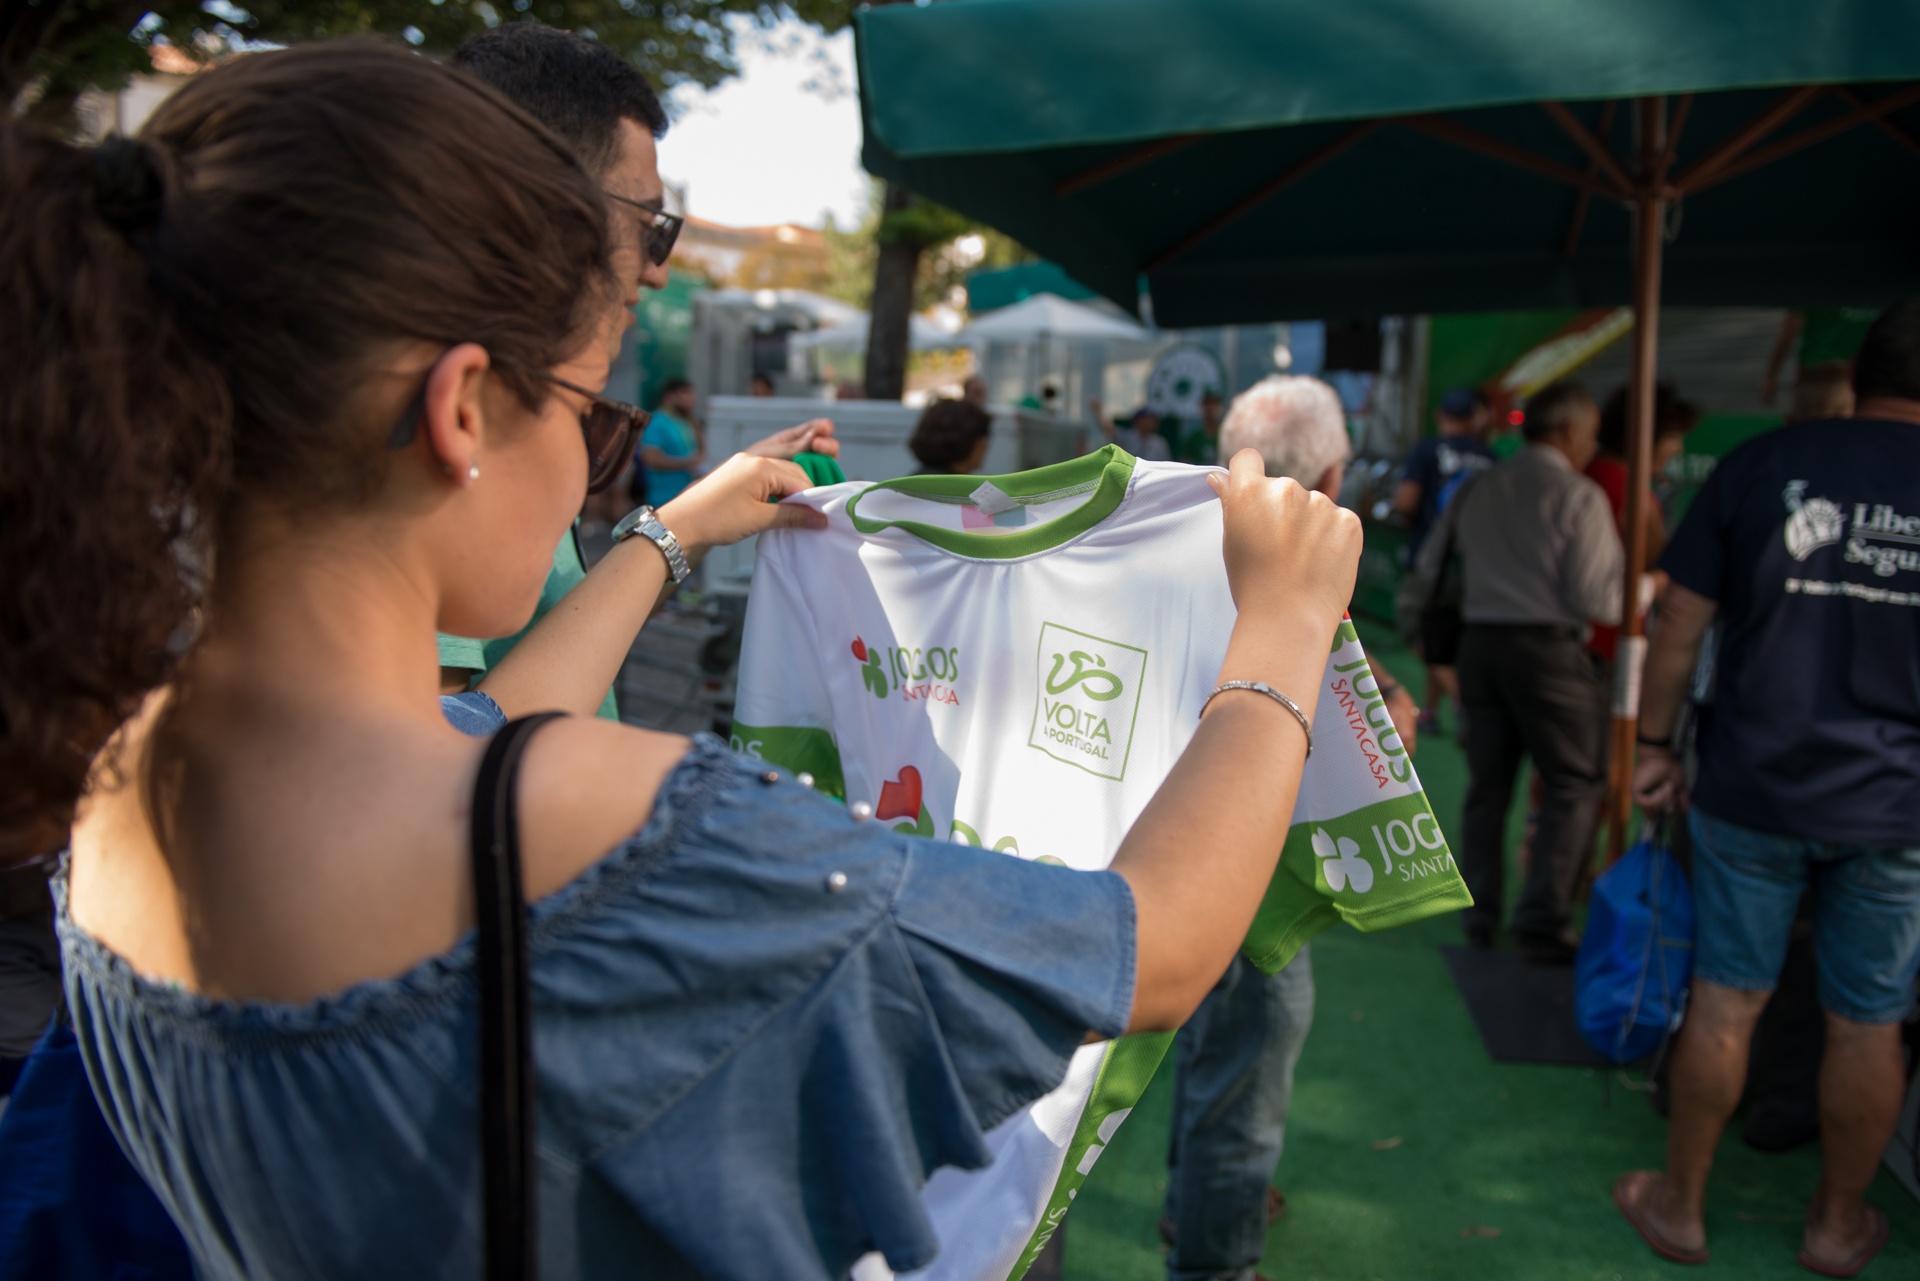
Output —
(1433, 472)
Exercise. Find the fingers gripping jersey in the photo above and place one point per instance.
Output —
(1016, 663)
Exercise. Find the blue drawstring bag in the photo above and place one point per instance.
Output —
(1630, 979)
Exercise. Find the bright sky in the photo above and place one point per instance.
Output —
(778, 143)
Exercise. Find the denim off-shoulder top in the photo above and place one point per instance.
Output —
(758, 1028)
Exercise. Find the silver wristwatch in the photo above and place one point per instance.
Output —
(645, 521)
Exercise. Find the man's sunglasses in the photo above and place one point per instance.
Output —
(658, 229)
(612, 428)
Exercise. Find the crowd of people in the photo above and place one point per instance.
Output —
(1798, 677)
(256, 501)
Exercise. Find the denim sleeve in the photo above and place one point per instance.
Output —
(473, 714)
(845, 1010)
(1019, 960)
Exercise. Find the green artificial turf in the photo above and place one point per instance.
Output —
(1410, 1154)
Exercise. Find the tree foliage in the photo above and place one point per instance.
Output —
(53, 49)
(946, 241)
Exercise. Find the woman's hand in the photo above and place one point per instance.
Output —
(1201, 854)
(813, 436)
(737, 500)
(1289, 551)
(1405, 715)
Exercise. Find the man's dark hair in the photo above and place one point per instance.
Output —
(1672, 416)
(947, 432)
(1551, 410)
(1889, 359)
(574, 86)
(672, 385)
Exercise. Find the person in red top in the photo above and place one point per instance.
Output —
(1673, 418)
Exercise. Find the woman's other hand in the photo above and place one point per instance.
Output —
(1288, 550)
(737, 500)
(814, 436)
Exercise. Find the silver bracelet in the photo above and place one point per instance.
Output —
(1261, 687)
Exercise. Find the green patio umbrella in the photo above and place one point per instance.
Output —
(1257, 160)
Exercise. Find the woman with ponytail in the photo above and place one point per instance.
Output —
(306, 372)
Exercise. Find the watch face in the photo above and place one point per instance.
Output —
(631, 522)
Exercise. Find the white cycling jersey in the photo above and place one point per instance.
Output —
(1016, 662)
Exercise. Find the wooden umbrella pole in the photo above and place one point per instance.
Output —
(1651, 198)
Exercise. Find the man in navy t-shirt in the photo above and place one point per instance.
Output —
(1430, 475)
(1805, 545)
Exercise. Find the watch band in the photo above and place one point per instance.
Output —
(645, 521)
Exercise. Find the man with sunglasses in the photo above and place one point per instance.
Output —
(606, 111)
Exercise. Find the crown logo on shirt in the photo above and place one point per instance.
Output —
(1812, 523)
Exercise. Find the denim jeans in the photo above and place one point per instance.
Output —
(1234, 1061)
(1866, 915)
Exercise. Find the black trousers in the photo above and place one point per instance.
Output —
(1530, 692)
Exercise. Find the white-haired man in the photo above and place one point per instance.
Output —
(1234, 1059)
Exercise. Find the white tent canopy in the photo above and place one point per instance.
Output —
(851, 335)
(1049, 316)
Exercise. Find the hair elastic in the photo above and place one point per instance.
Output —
(129, 188)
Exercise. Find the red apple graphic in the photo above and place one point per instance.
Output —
(901, 797)
(859, 649)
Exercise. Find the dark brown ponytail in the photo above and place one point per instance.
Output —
(113, 441)
(188, 322)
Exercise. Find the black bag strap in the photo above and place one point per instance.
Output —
(508, 1187)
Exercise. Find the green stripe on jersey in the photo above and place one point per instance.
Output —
(1123, 1078)
(1103, 473)
(797, 748)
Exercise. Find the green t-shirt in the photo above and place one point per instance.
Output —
(481, 655)
(1189, 442)
(821, 469)
(1834, 333)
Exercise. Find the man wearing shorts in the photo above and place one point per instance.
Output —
(1805, 545)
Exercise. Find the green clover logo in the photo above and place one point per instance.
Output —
(875, 679)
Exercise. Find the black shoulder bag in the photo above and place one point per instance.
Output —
(508, 1224)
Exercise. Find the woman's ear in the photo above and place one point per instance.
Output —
(453, 416)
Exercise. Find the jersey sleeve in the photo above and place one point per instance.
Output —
(781, 711)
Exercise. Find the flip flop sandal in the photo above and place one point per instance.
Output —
(1876, 1242)
(1627, 1191)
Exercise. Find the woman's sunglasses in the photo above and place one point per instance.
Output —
(612, 428)
(658, 229)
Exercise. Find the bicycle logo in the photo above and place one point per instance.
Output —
(1084, 677)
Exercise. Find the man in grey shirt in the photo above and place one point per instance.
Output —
(1540, 561)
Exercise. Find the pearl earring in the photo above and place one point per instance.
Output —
(473, 472)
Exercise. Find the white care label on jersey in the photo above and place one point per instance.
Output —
(1086, 699)
(991, 499)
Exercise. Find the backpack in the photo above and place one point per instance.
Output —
(1630, 978)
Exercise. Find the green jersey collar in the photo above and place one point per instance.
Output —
(1103, 475)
